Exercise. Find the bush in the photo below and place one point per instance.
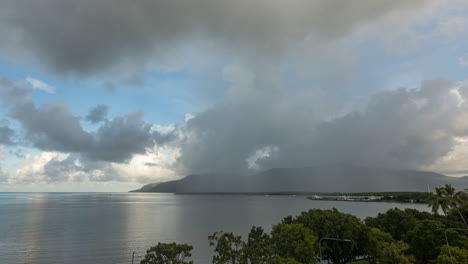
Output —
(171, 253)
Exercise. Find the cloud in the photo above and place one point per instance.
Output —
(454, 163)
(19, 153)
(463, 61)
(33, 169)
(52, 167)
(120, 138)
(404, 128)
(4, 175)
(115, 36)
(53, 127)
(264, 120)
(97, 114)
(6, 135)
(40, 85)
(76, 169)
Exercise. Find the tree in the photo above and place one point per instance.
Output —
(289, 261)
(378, 241)
(455, 200)
(259, 248)
(440, 201)
(294, 241)
(395, 253)
(453, 216)
(229, 248)
(426, 239)
(334, 224)
(384, 249)
(396, 222)
(459, 255)
(168, 253)
(447, 198)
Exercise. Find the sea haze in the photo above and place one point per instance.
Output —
(75, 228)
(336, 178)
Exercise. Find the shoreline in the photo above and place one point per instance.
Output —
(387, 197)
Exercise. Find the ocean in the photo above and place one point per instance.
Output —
(76, 228)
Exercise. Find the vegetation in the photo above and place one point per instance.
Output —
(459, 255)
(447, 198)
(294, 241)
(229, 248)
(171, 253)
(402, 197)
(396, 236)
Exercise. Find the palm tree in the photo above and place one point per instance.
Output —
(455, 200)
(440, 201)
(446, 199)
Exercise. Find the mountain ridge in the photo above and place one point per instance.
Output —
(341, 178)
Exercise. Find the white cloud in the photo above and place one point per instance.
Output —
(454, 162)
(463, 61)
(259, 155)
(40, 85)
(154, 166)
(187, 117)
(54, 168)
(33, 168)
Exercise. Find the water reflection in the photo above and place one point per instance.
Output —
(107, 228)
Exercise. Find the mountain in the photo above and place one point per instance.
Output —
(338, 178)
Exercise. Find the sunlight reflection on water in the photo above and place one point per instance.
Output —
(48, 228)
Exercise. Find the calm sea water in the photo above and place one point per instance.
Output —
(48, 228)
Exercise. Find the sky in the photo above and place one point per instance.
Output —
(108, 95)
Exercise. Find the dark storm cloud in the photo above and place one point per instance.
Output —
(404, 128)
(6, 135)
(259, 120)
(53, 127)
(97, 114)
(122, 137)
(94, 36)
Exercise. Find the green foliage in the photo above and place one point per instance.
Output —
(453, 216)
(448, 199)
(378, 241)
(395, 253)
(458, 238)
(384, 250)
(168, 253)
(440, 201)
(404, 197)
(259, 248)
(334, 224)
(289, 261)
(396, 222)
(387, 238)
(459, 255)
(228, 248)
(416, 197)
(294, 241)
(426, 239)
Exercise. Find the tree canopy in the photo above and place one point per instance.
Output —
(396, 236)
(168, 253)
